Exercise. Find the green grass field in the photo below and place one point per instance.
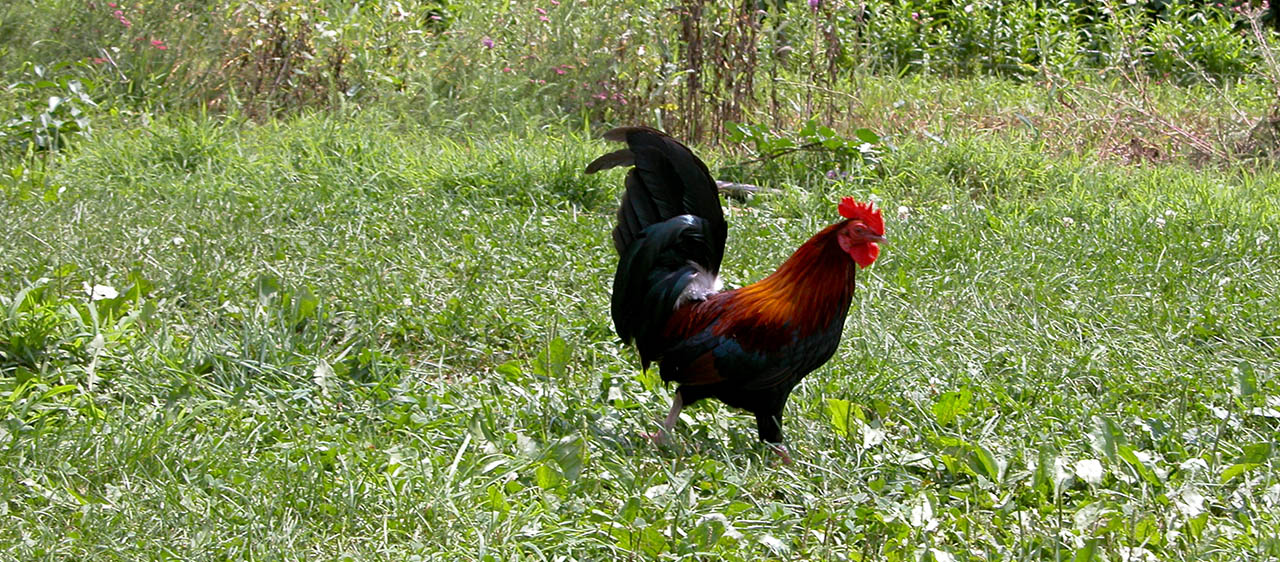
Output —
(307, 281)
(349, 338)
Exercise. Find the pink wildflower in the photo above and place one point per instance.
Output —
(99, 60)
(506, 69)
(543, 18)
(559, 70)
(540, 11)
(487, 42)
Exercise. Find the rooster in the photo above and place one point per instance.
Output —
(747, 347)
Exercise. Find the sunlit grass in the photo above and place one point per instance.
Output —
(353, 338)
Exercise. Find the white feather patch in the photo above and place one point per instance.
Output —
(702, 284)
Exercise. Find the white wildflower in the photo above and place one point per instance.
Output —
(1194, 465)
(1159, 222)
(871, 436)
(1137, 554)
(100, 292)
(1068, 222)
(922, 514)
(1190, 502)
(1089, 470)
(774, 543)
(657, 491)
(903, 212)
(1272, 497)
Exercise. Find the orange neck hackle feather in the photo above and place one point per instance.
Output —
(807, 292)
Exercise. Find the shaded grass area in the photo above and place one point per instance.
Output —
(350, 337)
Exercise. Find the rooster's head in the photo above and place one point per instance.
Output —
(862, 232)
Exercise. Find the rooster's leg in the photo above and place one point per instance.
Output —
(781, 450)
(668, 424)
(769, 427)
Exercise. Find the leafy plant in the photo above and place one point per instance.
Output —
(863, 145)
(54, 112)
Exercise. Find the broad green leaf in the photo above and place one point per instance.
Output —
(984, 463)
(570, 454)
(652, 542)
(547, 477)
(1147, 531)
(497, 500)
(1106, 436)
(1195, 525)
(630, 511)
(1246, 380)
(552, 361)
(1126, 453)
(867, 136)
(305, 303)
(1043, 479)
(1256, 453)
(1236, 470)
(1088, 552)
(951, 406)
(511, 370)
(839, 411)
(736, 132)
(782, 143)
(709, 530)
(810, 128)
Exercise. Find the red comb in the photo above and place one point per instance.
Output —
(865, 212)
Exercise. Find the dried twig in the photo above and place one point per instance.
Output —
(777, 154)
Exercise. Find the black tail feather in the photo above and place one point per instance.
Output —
(668, 180)
(670, 234)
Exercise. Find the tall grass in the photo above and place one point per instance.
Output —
(689, 69)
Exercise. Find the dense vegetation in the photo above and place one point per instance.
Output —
(300, 280)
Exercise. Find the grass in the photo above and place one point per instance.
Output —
(342, 337)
